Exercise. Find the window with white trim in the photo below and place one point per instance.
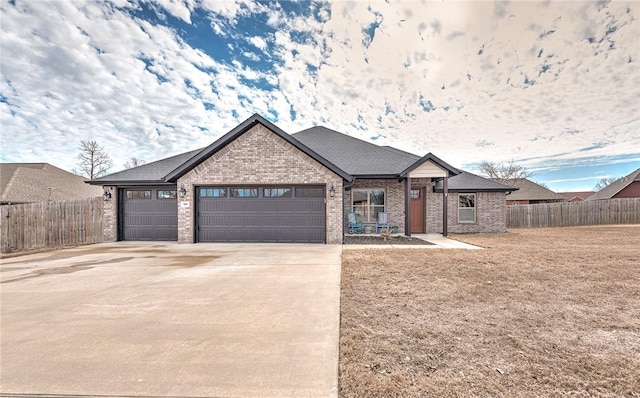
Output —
(367, 203)
(467, 208)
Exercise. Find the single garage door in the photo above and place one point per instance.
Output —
(149, 214)
(261, 214)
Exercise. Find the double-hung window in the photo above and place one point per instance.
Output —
(467, 208)
(367, 203)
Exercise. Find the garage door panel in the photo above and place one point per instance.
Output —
(149, 219)
(261, 219)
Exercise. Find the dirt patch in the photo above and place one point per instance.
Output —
(50, 271)
(63, 253)
(379, 240)
(61, 270)
(540, 312)
(191, 261)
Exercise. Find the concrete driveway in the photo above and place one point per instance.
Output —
(205, 320)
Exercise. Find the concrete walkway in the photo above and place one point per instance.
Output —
(437, 241)
(155, 319)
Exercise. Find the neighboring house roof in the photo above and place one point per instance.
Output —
(469, 182)
(356, 157)
(40, 182)
(578, 194)
(529, 190)
(615, 187)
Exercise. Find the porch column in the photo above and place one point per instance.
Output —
(445, 202)
(407, 206)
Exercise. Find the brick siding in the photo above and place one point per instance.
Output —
(110, 216)
(490, 213)
(259, 156)
(394, 198)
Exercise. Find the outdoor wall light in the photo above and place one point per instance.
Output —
(183, 191)
(106, 195)
(332, 191)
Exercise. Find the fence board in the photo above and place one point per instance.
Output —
(51, 224)
(591, 212)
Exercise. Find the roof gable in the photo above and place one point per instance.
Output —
(615, 187)
(237, 132)
(429, 157)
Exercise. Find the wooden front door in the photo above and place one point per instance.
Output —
(417, 211)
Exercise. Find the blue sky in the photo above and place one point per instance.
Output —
(554, 86)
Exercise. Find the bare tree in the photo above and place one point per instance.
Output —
(604, 182)
(133, 162)
(503, 170)
(93, 160)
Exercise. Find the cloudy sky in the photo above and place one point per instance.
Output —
(554, 86)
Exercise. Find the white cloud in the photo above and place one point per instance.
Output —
(258, 42)
(536, 82)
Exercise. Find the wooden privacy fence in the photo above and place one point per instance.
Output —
(590, 212)
(51, 224)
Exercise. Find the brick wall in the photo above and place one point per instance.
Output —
(394, 199)
(490, 213)
(259, 156)
(110, 216)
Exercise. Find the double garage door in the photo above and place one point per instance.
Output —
(260, 214)
(229, 214)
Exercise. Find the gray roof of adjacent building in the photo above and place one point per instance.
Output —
(615, 187)
(529, 190)
(41, 182)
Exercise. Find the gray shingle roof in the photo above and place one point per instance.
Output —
(348, 156)
(149, 172)
(618, 185)
(40, 182)
(469, 182)
(356, 157)
(529, 190)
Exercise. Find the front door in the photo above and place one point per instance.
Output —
(417, 211)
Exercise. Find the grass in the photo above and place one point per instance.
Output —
(539, 312)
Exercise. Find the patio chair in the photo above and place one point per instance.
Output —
(353, 225)
(382, 221)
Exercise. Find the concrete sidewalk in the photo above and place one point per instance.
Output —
(156, 319)
(437, 241)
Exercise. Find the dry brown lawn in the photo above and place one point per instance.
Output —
(539, 312)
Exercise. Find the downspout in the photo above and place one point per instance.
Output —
(407, 206)
(445, 203)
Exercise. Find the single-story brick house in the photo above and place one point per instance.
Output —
(259, 184)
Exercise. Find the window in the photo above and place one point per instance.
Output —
(139, 194)
(244, 192)
(415, 193)
(213, 192)
(277, 192)
(169, 194)
(467, 208)
(367, 203)
(309, 192)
